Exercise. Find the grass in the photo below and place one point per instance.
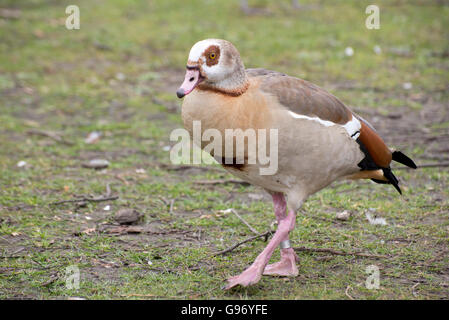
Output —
(105, 77)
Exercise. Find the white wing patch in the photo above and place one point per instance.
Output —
(323, 122)
(352, 127)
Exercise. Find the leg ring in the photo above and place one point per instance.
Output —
(285, 244)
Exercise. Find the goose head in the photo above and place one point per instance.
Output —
(214, 64)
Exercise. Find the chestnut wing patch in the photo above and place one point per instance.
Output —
(375, 146)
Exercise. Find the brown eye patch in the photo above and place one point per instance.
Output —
(212, 55)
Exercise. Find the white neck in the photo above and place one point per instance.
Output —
(233, 85)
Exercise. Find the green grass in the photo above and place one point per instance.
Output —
(70, 82)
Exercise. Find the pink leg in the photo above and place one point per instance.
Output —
(286, 224)
(287, 265)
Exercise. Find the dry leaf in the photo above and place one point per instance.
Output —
(89, 230)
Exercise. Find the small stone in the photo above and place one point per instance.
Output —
(82, 204)
(96, 164)
(407, 85)
(21, 164)
(349, 52)
(377, 50)
(127, 216)
(120, 76)
(344, 216)
(93, 137)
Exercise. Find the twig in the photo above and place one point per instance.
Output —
(138, 295)
(148, 295)
(245, 222)
(118, 176)
(100, 199)
(265, 234)
(187, 167)
(165, 201)
(42, 267)
(339, 253)
(52, 279)
(6, 240)
(414, 287)
(223, 181)
(347, 294)
(172, 202)
(124, 229)
(49, 134)
(20, 207)
(14, 254)
(426, 165)
(108, 190)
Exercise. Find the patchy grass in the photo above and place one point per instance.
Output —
(118, 75)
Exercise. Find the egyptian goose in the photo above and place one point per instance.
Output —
(319, 139)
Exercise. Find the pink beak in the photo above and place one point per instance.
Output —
(191, 80)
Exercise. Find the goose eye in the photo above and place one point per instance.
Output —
(212, 55)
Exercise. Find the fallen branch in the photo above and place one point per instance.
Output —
(244, 221)
(4, 239)
(164, 200)
(99, 199)
(172, 202)
(339, 253)
(122, 179)
(187, 167)
(52, 279)
(138, 295)
(223, 181)
(49, 134)
(265, 234)
(14, 254)
(414, 287)
(148, 296)
(134, 229)
(108, 189)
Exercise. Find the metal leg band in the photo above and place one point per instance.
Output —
(285, 244)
